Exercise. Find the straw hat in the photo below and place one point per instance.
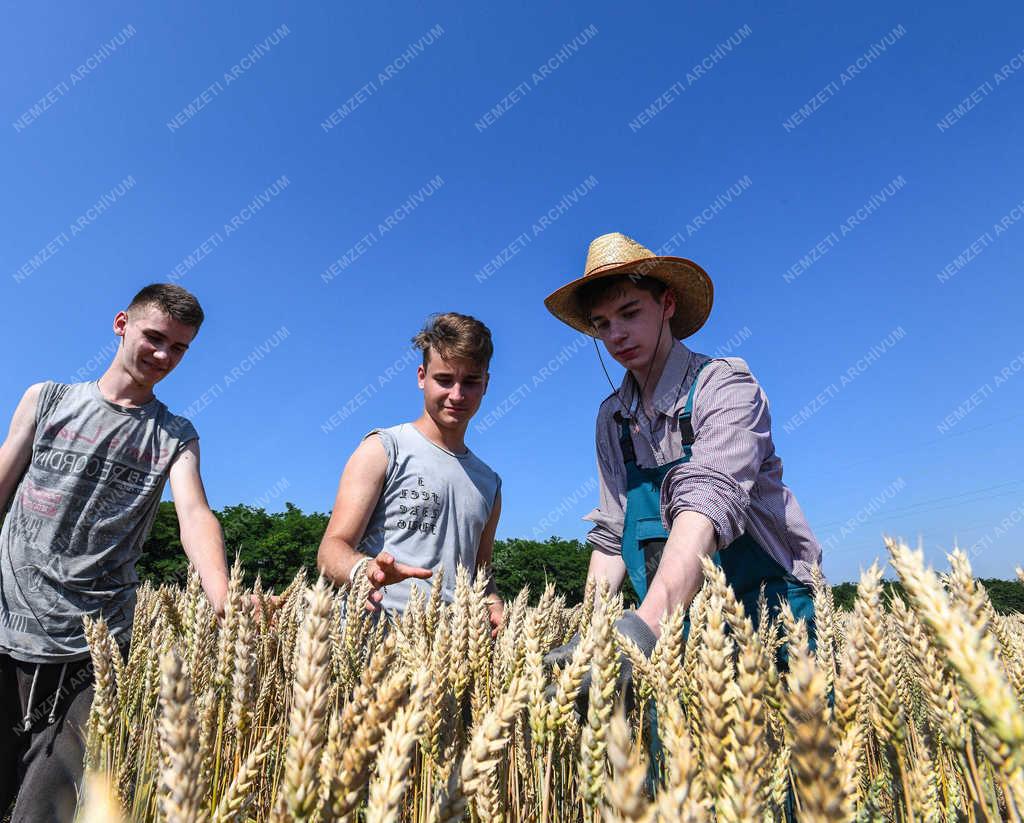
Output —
(614, 253)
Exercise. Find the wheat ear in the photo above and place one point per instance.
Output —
(358, 755)
(307, 722)
(682, 797)
(970, 653)
(624, 796)
(99, 802)
(103, 711)
(489, 742)
(604, 674)
(818, 780)
(396, 757)
(715, 674)
(239, 794)
(181, 789)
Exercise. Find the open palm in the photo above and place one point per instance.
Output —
(383, 570)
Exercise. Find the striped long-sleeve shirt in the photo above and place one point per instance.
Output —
(733, 477)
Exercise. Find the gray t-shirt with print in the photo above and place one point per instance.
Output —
(432, 511)
(79, 517)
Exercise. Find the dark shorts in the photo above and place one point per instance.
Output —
(41, 766)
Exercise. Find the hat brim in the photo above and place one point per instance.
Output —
(693, 290)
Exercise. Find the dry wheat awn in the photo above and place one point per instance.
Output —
(317, 711)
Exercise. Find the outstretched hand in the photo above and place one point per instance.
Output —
(383, 570)
(632, 627)
(560, 656)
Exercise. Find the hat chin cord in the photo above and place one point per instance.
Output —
(650, 368)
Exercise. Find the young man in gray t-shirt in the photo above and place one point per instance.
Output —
(413, 498)
(82, 469)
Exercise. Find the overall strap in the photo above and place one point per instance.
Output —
(686, 432)
(685, 426)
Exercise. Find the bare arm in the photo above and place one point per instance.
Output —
(610, 567)
(201, 535)
(705, 500)
(679, 576)
(484, 556)
(485, 553)
(358, 491)
(17, 448)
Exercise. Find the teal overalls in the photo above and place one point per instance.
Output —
(745, 563)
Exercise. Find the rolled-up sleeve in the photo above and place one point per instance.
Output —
(609, 516)
(733, 438)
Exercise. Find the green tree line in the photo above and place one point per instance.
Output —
(275, 545)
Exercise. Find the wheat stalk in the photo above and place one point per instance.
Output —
(603, 674)
(488, 743)
(818, 779)
(624, 796)
(306, 725)
(971, 654)
(181, 785)
(327, 710)
(99, 802)
(361, 748)
(239, 794)
(393, 768)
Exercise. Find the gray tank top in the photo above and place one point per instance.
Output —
(79, 517)
(432, 510)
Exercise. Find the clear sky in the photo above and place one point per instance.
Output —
(324, 176)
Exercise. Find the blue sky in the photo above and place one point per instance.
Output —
(863, 228)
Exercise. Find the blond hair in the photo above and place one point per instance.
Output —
(455, 336)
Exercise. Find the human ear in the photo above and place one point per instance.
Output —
(670, 303)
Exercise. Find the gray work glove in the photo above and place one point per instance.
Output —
(631, 626)
(560, 655)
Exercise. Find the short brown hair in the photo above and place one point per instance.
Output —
(590, 294)
(454, 335)
(172, 300)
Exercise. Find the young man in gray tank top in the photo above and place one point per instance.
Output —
(83, 468)
(413, 498)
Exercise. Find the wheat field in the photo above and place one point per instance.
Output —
(903, 710)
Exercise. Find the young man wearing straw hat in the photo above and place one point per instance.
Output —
(684, 448)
